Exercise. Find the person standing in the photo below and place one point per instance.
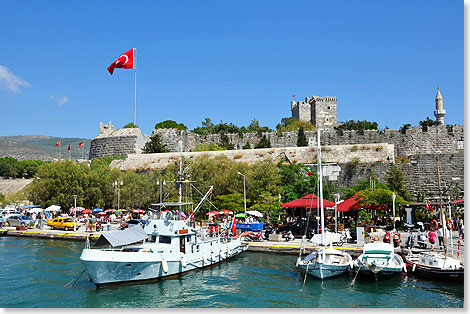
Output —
(440, 236)
(432, 238)
(461, 230)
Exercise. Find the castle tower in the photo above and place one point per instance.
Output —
(439, 113)
(324, 111)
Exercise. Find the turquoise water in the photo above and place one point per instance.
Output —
(34, 272)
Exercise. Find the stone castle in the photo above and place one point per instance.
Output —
(375, 151)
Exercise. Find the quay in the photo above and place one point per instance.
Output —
(277, 247)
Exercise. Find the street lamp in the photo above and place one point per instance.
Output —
(118, 184)
(244, 189)
(74, 212)
(393, 206)
(336, 195)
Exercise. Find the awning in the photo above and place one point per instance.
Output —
(457, 201)
(309, 201)
(124, 237)
(254, 213)
(349, 204)
(53, 208)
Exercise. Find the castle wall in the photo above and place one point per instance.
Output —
(113, 145)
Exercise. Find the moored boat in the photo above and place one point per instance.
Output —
(379, 260)
(436, 266)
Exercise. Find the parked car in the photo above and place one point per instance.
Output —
(134, 222)
(9, 211)
(298, 228)
(18, 220)
(65, 223)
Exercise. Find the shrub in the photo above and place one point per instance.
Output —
(354, 148)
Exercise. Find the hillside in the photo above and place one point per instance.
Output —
(42, 147)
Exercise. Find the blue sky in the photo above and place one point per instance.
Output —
(231, 61)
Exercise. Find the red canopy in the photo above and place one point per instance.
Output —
(225, 212)
(457, 201)
(138, 210)
(349, 204)
(309, 201)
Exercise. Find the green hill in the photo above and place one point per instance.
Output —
(42, 147)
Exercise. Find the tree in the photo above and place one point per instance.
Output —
(379, 199)
(130, 125)
(424, 124)
(247, 145)
(154, 145)
(372, 181)
(404, 127)
(263, 178)
(170, 124)
(225, 142)
(301, 138)
(295, 181)
(356, 125)
(233, 202)
(396, 180)
(263, 143)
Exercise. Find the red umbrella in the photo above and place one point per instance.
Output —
(309, 201)
(225, 212)
(214, 212)
(78, 209)
(349, 204)
(110, 210)
(138, 210)
(101, 213)
(86, 211)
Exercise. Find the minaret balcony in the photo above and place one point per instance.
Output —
(439, 112)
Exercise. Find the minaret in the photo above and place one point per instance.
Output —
(439, 113)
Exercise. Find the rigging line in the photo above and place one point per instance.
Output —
(203, 196)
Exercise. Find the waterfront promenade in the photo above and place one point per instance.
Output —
(282, 247)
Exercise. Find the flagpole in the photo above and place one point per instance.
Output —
(135, 81)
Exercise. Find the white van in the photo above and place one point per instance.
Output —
(7, 212)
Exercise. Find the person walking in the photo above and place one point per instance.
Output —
(432, 239)
(440, 236)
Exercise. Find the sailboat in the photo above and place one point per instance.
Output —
(167, 245)
(325, 262)
(432, 264)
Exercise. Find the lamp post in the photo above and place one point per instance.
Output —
(161, 183)
(118, 184)
(393, 206)
(336, 195)
(244, 189)
(74, 212)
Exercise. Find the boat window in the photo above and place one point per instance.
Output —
(165, 239)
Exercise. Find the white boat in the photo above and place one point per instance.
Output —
(379, 259)
(166, 246)
(324, 262)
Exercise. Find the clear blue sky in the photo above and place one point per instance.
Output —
(226, 60)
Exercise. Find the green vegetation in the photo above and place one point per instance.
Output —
(264, 142)
(12, 168)
(204, 147)
(405, 127)
(301, 138)
(154, 145)
(356, 125)
(424, 124)
(208, 127)
(170, 124)
(130, 125)
(292, 125)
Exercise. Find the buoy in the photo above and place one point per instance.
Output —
(164, 265)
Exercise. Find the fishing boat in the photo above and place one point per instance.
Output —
(325, 262)
(166, 246)
(378, 260)
(435, 265)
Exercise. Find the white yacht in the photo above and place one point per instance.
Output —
(379, 259)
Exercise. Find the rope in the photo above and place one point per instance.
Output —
(305, 277)
(75, 279)
(352, 282)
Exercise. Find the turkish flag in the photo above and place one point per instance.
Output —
(80, 144)
(69, 147)
(309, 172)
(125, 61)
(58, 144)
(428, 206)
(234, 227)
(293, 96)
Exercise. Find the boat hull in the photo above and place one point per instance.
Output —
(455, 275)
(323, 271)
(114, 267)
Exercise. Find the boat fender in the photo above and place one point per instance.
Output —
(222, 254)
(183, 262)
(164, 265)
(298, 262)
(434, 225)
(213, 256)
(228, 251)
(414, 267)
(204, 260)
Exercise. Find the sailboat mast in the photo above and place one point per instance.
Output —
(180, 179)
(320, 174)
(442, 212)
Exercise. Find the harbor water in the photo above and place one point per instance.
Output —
(35, 271)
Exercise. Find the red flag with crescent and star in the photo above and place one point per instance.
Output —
(69, 147)
(57, 144)
(428, 206)
(125, 61)
(80, 144)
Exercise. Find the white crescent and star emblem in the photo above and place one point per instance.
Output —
(125, 56)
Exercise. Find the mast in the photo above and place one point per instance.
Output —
(321, 189)
(442, 212)
(180, 179)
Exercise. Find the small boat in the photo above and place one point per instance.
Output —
(436, 266)
(378, 260)
(325, 262)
